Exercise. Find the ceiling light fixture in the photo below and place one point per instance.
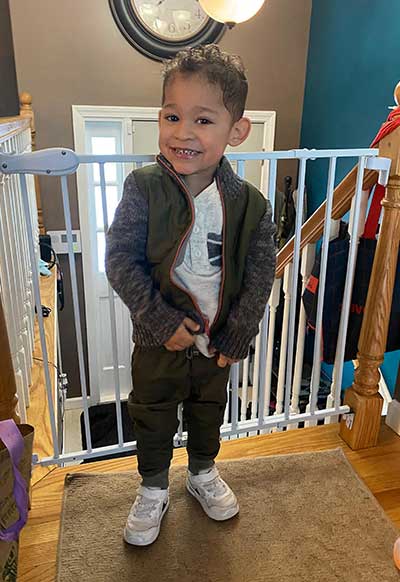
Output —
(231, 12)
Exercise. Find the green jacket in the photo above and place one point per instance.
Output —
(151, 224)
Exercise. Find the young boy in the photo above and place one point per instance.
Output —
(192, 255)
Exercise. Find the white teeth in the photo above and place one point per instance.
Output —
(185, 152)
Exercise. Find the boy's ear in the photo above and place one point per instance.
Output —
(240, 131)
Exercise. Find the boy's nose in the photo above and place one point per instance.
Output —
(183, 131)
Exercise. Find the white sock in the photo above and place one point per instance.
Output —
(204, 471)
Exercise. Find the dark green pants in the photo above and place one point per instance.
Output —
(161, 380)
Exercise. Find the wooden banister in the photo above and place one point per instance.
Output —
(9, 127)
(363, 397)
(26, 112)
(313, 228)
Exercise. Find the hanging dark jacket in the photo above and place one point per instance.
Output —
(151, 224)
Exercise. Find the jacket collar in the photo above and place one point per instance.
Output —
(231, 184)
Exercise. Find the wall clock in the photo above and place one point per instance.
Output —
(161, 28)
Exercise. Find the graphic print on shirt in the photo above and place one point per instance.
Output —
(214, 246)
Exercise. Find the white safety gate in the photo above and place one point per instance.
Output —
(15, 266)
(255, 387)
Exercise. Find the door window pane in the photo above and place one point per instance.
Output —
(110, 172)
(112, 202)
(104, 146)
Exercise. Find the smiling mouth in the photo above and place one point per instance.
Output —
(185, 153)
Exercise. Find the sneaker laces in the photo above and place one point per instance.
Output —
(215, 488)
(145, 507)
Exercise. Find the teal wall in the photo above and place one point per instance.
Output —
(353, 67)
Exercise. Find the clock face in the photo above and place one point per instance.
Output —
(171, 20)
(161, 28)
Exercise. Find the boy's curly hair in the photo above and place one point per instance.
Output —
(218, 67)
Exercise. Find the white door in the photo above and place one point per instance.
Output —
(105, 138)
(101, 136)
(102, 130)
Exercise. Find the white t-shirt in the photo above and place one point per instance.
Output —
(199, 267)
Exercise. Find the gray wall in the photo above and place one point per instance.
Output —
(9, 102)
(72, 53)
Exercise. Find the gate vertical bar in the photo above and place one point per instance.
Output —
(316, 369)
(263, 397)
(351, 265)
(75, 301)
(295, 274)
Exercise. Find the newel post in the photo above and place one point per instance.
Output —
(363, 397)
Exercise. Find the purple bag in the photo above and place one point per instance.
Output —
(14, 442)
(15, 470)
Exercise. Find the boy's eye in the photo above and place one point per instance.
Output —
(171, 117)
(203, 121)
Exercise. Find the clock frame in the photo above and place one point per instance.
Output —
(151, 45)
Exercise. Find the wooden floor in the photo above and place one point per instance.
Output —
(379, 468)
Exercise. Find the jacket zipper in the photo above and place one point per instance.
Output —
(221, 289)
(185, 236)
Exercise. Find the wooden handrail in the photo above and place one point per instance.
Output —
(312, 229)
(10, 126)
(363, 397)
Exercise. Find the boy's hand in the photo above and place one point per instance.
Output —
(183, 337)
(222, 361)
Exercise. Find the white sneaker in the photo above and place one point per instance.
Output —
(144, 519)
(214, 495)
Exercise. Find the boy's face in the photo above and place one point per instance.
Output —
(195, 127)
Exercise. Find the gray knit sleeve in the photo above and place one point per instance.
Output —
(128, 270)
(242, 325)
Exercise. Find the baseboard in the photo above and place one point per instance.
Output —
(393, 416)
(73, 403)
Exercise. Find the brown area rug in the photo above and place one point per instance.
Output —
(304, 517)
